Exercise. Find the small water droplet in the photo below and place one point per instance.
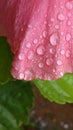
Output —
(61, 17)
(68, 53)
(44, 34)
(54, 39)
(52, 19)
(41, 65)
(35, 41)
(56, 26)
(59, 62)
(69, 5)
(21, 56)
(21, 76)
(49, 61)
(68, 37)
(52, 50)
(30, 55)
(69, 23)
(28, 44)
(28, 75)
(62, 52)
(41, 50)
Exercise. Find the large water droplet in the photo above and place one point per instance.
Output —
(61, 17)
(40, 50)
(54, 39)
(69, 5)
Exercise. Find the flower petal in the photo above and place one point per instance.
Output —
(40, 35)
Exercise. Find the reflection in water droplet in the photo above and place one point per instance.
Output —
(40, 50)
(54, 39)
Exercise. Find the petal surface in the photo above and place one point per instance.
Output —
(40, 34)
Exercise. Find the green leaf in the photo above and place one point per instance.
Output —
(16, 100)
(5, 61)
(59, 91)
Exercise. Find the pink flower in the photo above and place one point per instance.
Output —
(40, 34)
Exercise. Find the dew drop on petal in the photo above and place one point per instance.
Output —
(62, 52)
(54, 39)
(59, 62)
(28, 75)
(21, 56)
(69, 5)
(44, 34)
(30, 55)
(52, 50)
(21, 76)
(28, 45)
(35, 41)
(68, 53)
(56, 26)
(49, 61)
(68, 37)
(40, 65)
(40, 50)
(61, 17)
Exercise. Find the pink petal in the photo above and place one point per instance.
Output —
(40, 34)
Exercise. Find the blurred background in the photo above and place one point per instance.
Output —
(47, 115)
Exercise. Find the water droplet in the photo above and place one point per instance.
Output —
(69, 5)
(61, 17)
(21, 76)
(68, 53)
(56, 26)
(52, 19)
(49, 61)
(54, 39)
(44, 34)
(52, 50)
(69, 23)
(21, 56)
(28, 44)
(41, 65)
(28, 75)
(30, 55)
(59, 62)
(62, 52)
(35, 41)
(68, 37)
(41, 50)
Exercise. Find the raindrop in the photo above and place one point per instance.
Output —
(54, 39)
(61, 17)
(41, 65)
(28, 45)
(59, 62)
(52, 50)
(21, 75)
(35, 41)
(69, 5)
(40, 50)
(68, 37)
(21, 56)
(49, 61)
(68, 53)
(56, 26)
(44, 34)
(62, 52)
(30, 55)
